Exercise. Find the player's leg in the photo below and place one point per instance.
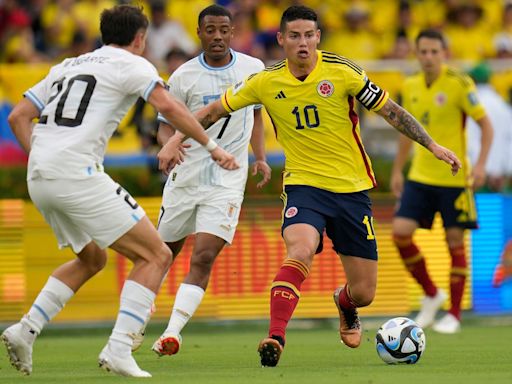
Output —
(353, 237)
(190, 292)
(151, 259)
(301, 244)
(359, 291)
(216, 217)
(302, 229)
(458, 211)
(503, 270)
(58, 290)
(416, 207)
(450, 323)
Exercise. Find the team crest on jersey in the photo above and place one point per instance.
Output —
(290, 212)
(325, 88)
(441, 99)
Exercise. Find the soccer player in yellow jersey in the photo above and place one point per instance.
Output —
(440, 98)
(311, 99)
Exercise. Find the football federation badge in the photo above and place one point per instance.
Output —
(441, 99)
(325, 88)
(290, 212)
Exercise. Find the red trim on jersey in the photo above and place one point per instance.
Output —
(355, 119)
(226, 101)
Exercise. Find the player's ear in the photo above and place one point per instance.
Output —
(279, 38)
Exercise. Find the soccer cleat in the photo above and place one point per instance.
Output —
(18, 340)
(123, 366)
(167, 344)
(350, 325)
(270, 349)
(448, 324)
(138, 338)
(429, 308)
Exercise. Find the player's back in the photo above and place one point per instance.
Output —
(82, 101)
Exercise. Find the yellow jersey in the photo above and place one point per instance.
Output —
(315, 120)
(442, 109)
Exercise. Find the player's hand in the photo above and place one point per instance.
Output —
(261, 167)
(478, 176)
(224, 159)
(447, 156)
(171, 154)
(397, 184)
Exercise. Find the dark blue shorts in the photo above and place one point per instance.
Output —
(420, 202)
(346, 218)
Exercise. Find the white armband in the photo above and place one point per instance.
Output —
(211, 145)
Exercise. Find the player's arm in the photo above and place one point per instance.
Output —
(211, 113)
(164, 133)
(406, 124)
(20, 120)
(180, 117)
(478, 172)
(258, 149)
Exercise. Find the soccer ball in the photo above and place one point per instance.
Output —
(400, 341)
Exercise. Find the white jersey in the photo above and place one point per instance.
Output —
(197, 84)
(81, 102)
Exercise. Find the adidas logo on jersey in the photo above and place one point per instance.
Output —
(280, 95)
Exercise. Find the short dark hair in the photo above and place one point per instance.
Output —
(297, 12)
(214, 10)
(120, 24)
(432, 34)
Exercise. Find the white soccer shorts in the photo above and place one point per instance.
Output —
(96, 208)
(203, 209)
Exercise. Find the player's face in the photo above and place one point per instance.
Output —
(215, 33)
(431, 54)
(300, 40)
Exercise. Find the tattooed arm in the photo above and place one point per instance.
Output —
(406, 124)
(208, 115)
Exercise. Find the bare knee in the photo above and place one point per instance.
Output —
(202, 261)
(92, 258)
(163, 256)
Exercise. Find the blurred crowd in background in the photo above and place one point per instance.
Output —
(48, 30)
(370, 32)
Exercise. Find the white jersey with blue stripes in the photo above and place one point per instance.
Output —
(81, 102)
(197, 84)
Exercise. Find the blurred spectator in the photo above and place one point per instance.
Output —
(173, 59)
(356, 40)
(165, 34)
(468, 37)
(403, 35)
(500, 114)
(60, 23)
(244, 32)
(18, 44)
(503, 39)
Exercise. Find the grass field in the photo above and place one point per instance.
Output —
(226, 353)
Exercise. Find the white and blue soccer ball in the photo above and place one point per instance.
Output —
(400, 341)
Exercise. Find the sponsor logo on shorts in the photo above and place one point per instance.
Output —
(290, 212)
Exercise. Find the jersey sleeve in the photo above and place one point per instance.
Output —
(41, 92)
(365, 91)
(175, 89)
(242, 94)
(140, 78)
(471, 104)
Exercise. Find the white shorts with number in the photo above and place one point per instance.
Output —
(205, 209)
(96, 208)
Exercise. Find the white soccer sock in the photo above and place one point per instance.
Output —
(135, 308)
(186, 302)
(50, 301)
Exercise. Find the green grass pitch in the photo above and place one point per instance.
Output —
(226, 353)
